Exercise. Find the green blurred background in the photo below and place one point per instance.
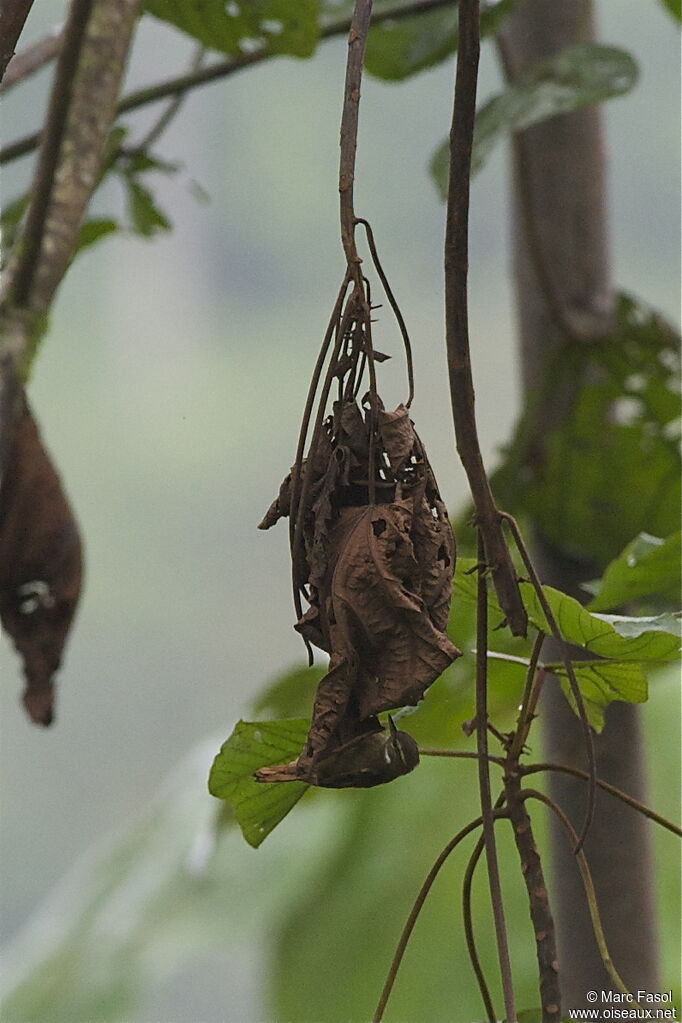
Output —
(169, 391)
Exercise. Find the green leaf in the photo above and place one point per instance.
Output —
(600, 683)
(146, 218)
(577, 77)
(611, 469)
(244, 26)
(648, 567)
(644, 640)
(674, 7)
(401, 47)
(258, 807)
(93, 230)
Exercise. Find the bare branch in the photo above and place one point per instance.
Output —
(14, 16)
(32, 59)
(224, 68)
(21, 275)
(538, 901)
(487, 812)
(457, 324)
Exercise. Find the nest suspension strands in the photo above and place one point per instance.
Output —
(372, 551)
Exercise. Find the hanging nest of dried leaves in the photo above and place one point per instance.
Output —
(372, 554)
(40, 563)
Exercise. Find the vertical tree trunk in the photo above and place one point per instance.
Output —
(562, 280)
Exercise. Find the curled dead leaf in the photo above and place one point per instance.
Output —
(40, 564)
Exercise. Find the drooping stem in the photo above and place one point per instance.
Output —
(416, 909)
(357, 40)
(487, 812)
(456, 319)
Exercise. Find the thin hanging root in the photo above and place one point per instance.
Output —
(394, 306)
(590, 893)
(572, 680)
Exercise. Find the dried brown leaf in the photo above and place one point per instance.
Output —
(40, 564)
(379, 622)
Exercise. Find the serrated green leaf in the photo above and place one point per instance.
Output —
(649, 566)
(402, 47)
(244, 26)
(146, 218)
(601, 683)
(577, 77)
(597, 634)
(258, 807)
(94, 230)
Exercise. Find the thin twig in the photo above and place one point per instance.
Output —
(462, 755)
(32, 59)
(357, 40)
(467, 915)
(611, 789)
(456, 319)
(529, 700)
(573, 682)
(12, 22)
(590, 893)
(416, 909)
(21, 279)
(487, 812)
(224, 68)
(165, 118)
(394, 306)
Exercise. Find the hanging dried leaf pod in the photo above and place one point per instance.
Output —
(40, 564)
(373, 557)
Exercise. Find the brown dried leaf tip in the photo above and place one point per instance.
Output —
(373, 557)
(40, 564)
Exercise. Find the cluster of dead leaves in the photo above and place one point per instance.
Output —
(40, 563)
(375, 565)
